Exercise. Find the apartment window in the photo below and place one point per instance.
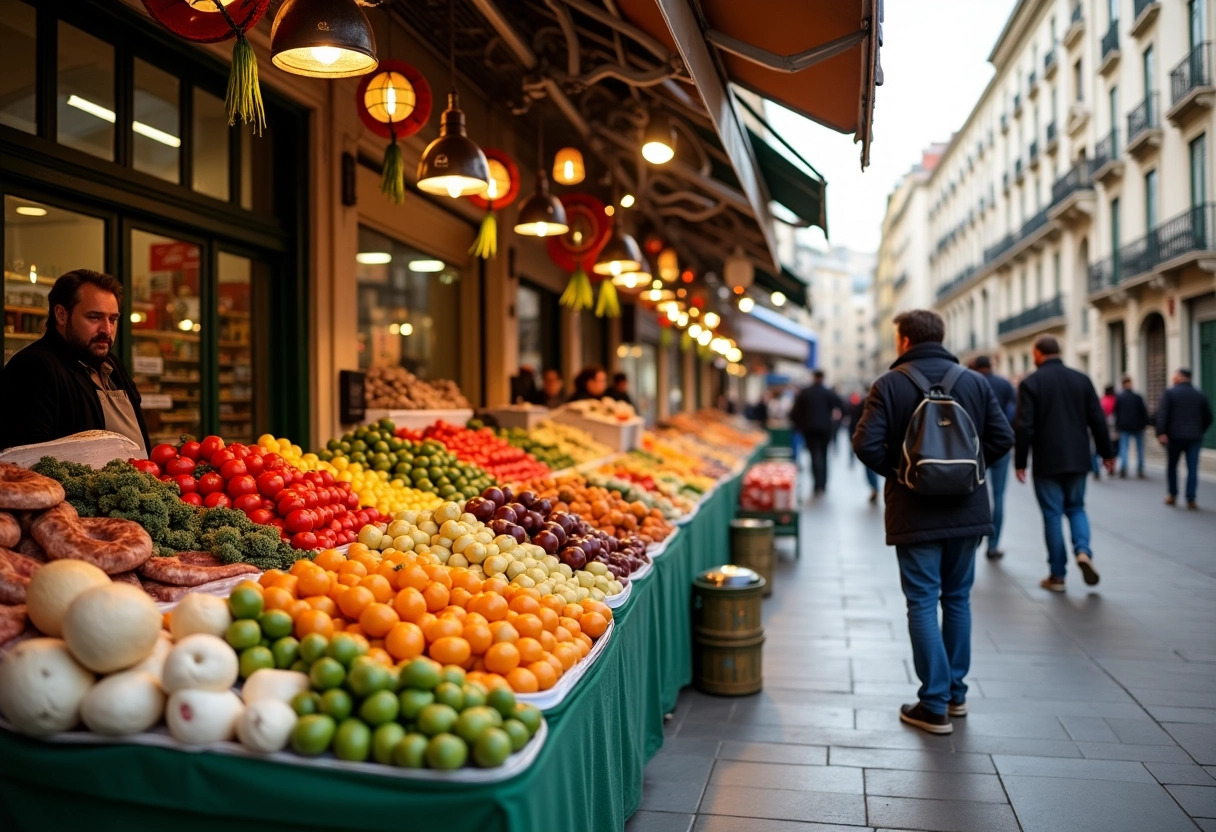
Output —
(1054, 104)
(1056, 277)
(1114, 236)
(1022, 286)
(1114, 121)
(1194, 14)
(1199, 170)
(1148, 67)
(1078, 82)
(1150, 200)
(1112, 12)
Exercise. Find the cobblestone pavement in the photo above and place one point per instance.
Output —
(1092, 710)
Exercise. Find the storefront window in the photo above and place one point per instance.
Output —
(539, 322)
(166, 313)
(156, 125)
(210, 145)
(85, 99)
(640, 364)
(41, 242)
(240, 348)
(409, 310)
(18, 81)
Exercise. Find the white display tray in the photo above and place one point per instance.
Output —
(419, 419)
(619, 436)
(618, 600)
(551, 698)
(520, 417)
(92, 447)
(656, 550)
(160, 738)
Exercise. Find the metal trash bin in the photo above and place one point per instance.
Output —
(728, 631)
(751, 545)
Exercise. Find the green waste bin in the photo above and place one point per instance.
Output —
(728, 631)
(751, 545)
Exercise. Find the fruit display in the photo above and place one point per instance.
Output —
(570, 441)
(640, 488)
(480, 446)
(396, 388)
(525, 440)
(718, 430)
(604, 510)
(310, 509)
(603, 410)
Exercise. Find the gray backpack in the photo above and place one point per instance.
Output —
(941, 453)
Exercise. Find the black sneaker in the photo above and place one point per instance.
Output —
(1086, 565)
(995, 554)
(921, 717)
(957, 709)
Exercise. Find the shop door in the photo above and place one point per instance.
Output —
(1207, 372)
(1153, 339)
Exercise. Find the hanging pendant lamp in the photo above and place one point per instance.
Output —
(635, 280)
(322, 39)
(453, 165)
(568, 167)
(659, 140)
(543, 214)
(621, 254)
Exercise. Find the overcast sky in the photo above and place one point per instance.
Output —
(935, 65)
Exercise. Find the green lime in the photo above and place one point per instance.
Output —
(245, 602)
(254, 659)
(379, 708)
(243, 633)
(518, 732)
(422, 462)
(529, 715)
(344, 648)
(275, 624)
(492, 748)
(412, 701)
(384, 739)
(450, 694)
(387, 424)
(472, 723)
(410, 752)
(436, 719)
(367, 677)
(381, 447)
(502, 699)
(306, 703)
(353, 741)
(358, 446)
(447, 752)
(452, 673)
(425, 485)
(300, 666)
(312, 735)
(286, 651)
(421, 674)
(474, 694)
(337, 703)
(326, 673)
(333, 445)
(312, 647)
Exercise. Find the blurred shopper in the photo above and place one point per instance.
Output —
(1108, 410)
(620, 389)
(590, 383)
(523, 386)
(1183, 416)
(1057, 407)
(998, 471)
(1131, 418)
(816, 409)
(856, 406)
(935, 537)
(551, 393)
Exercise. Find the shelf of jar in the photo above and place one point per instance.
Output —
(27, 310)
(23, 336)
(15, 277)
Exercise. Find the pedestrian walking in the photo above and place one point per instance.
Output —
(1108, 409)
(856, 406)
(1183, 416)
(1131, 418)
(814, 414)
(998, 471)
(1057, 407)
(935, 536)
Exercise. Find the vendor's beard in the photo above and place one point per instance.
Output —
(86, 348)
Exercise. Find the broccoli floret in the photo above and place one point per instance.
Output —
(225, 542)
(180, 540)
(181, 515)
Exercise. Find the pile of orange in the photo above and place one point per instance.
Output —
(408, 605)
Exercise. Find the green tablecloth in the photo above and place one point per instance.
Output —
(587, 777)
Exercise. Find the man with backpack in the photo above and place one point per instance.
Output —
(931, 427)
(1057, 407)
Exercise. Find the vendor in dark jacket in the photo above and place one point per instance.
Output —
(935, 538)
(67, 381)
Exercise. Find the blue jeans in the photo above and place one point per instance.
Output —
(871, 478)
(1059, 496)
(998, 475)
(1174, 451)
(939, 571)
(1126, 437)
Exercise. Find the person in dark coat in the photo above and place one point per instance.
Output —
(590, 383)
(814, 415)
(1058, 412)
(1183, 416)
(998, 472)
(620, 389)
(1131, 418)
(68, 381)
(935, 537)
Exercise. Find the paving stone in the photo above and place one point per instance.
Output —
(1046, 804)
(1088, 729)
(720, 823)
(668, 767)
(778, 804)
(1172, 697)
(1199, 740)
(1179, 774)
(940, 815)
(760, 752)
(1140, 753)
(885, 758)
(659, 822)
(1163, 713)
(700, 748)
(791, 777)
(1198, 801)
(1127, 772)
(935, 785)
(794, 715)
(1013, 745)
(1139, 732)
(672, 797)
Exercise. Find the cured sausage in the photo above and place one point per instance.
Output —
(165, 592)
(111, 544)
(12, 622)
(192, 569)
(10, 530)
(23, 489)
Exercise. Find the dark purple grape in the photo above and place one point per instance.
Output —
(494, 495)
(481, 508)
(526, 498)
(548, 541)
(573, 557)
(506, 513)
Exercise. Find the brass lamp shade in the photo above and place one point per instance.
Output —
(453, 165)
(659, 140)
(543, 215)
(322, 39)
(636, 280)
(620, 255)
(568, 167)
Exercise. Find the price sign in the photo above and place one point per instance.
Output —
(149, 365)
(156, 401)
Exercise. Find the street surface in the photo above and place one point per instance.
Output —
(1092, 710)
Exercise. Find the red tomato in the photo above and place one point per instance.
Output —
(273, 462)
(254, 464)
(191, 450)
(277, 522)
(217, 499)
(179, 465)
(162, 453)
(146, 466)
(300, 520)
(210, 483)
(325, 515)
(352, 500)
(193, 498)
(327, 478)
(186, 483)
(238, 450)
(261, 516)
(304, 540)
(289, 501)
(219, 458)
(310, 499)
(270, 484)
(268, 505)
(243, 485)
(232, 468)
(209, 446)
(246, 502)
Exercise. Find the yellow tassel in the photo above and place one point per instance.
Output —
(485, 245)
(609, 305)
(578, 294)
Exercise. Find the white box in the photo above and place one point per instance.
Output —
(419, 419)
(515, 416)
(619, 436)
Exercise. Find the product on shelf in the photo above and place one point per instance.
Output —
(769, 486)
(396, 388)
(605, 410)
(480, 446)
(569, 440)
(604, 510)
(525, 440)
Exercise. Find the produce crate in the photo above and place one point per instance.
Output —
(619, 436)
(92, 447)
(418, 419)
(526, 417)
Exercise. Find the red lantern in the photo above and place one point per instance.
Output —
(576, 250)
(504, 187)
(206, 23)
(394, 100)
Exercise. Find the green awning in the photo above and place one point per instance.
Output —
(787, 283)
(791, 184)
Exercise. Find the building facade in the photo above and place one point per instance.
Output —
(1077, 200)
(841, 281)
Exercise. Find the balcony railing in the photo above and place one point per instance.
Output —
(1045, 311)
(956, 281)
(1103, 275)
(1017, 103)
(1191, 231)
(1139, 6)
(1017, 168)
(1144, 117)
(1105, 151)
(1075, 180)
(1110, 41)
(1194, 71)
(998, 248)
(1033, 80)
(1033, 224)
